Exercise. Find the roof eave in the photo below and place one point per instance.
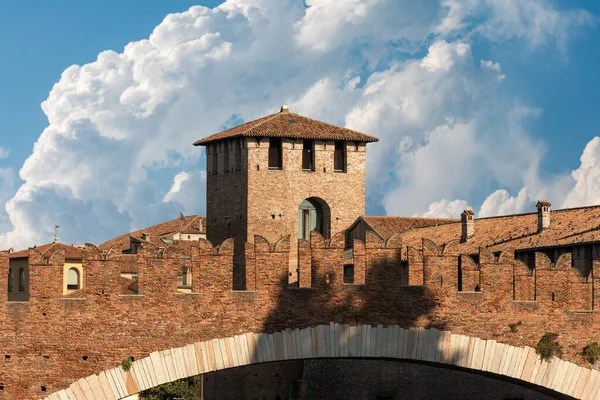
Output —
(206, 141)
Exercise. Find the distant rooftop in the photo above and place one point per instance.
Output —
(71, 252)
(286, 124)
(385, 226)
(191, 224)
(518, 231)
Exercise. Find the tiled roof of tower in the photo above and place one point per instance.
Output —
(288, 125)
(520, 231)
(71, 252)
(191, 224)
(388, 226)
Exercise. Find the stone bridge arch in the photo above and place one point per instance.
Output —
(433, 346)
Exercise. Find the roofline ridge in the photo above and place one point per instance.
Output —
(335, 126)
(575, 208)
(535, 212)
(406, 217)
(247, 132)
(265, 119)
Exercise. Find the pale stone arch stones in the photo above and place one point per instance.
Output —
(337, 341)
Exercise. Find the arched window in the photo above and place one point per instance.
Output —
(313, 215)
(73, 279)
(11, 280)
(21, 280)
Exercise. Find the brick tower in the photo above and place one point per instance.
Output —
(283, 174)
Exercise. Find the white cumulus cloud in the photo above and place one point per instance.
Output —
(446, 209)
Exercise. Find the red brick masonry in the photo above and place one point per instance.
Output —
(51, 341)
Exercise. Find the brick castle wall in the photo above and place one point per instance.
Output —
(52, 340)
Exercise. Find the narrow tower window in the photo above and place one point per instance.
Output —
(339, 157)
(275, 158)
(308, 157)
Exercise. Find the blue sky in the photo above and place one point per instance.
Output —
(41, 39)
(490, 109)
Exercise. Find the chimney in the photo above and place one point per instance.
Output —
(145, 236)
(543, 207)
(284, 108)
(468, 225)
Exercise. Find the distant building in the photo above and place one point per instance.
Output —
(188, 228)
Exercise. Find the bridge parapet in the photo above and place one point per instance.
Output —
(98, 326)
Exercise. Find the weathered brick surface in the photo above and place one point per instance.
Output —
(52, 341)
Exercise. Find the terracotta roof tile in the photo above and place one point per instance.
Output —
(289, 125)
(520, 231)
(191, 224)
(388, 226)
(71, 252)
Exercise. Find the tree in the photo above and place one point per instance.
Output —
(185, 389)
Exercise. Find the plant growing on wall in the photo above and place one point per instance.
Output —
(548, 346)
(126, 363)
(592, 352)
(515, 326)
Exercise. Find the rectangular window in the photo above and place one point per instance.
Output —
(275, 159)
(308, 156)
(339, 157)
(349, 273)
(215, 158)
(184, 280)
(226, 156)
(129, 282)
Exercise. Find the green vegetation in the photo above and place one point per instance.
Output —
(592, 352)
(548, 347)
(185, 389)
(126, 364)
(515, 326)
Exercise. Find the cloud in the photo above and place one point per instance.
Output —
(502, 203)
(7, 189)
(579, 188)
(446, 209)
(120, 128)
(4, 153)
(188, 189)
(432, 117)
(331, 24)
(536, 23)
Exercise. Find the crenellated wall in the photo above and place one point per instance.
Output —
(53, 339)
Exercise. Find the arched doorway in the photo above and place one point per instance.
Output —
(313, 215)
